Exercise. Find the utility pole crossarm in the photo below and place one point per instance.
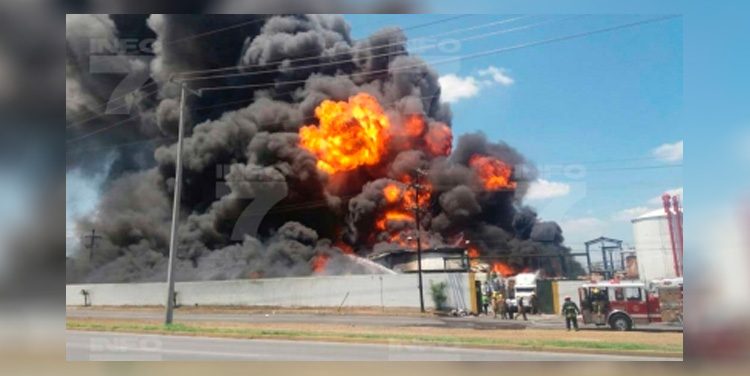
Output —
(91, 242)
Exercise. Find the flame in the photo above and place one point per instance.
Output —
(392, 192)
(473, 252)
(409, 201)
(503, 269)
(346, 248)
(318, 262)
(401, 201)
(414, 125)
(393, 216)
(439, 139)
(492, 172)
(350, 134)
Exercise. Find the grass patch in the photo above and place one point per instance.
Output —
(363, 336)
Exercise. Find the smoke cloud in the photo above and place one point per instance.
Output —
(242, 151)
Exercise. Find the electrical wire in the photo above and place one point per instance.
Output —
(459, 58)
(235, 67)
(354, 60)
(80, 122)
(474, 55)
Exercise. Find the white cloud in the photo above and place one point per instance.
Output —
(628, 214)
(544, 189)
(669, 152)
(454, 87)
(672, 192)
(498, 75)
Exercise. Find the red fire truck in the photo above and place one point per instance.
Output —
(623, 304)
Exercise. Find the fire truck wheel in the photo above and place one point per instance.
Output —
(620, 322)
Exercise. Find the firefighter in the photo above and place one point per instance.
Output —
(599, 302)
(570, 311)
(485, 302)
(498, 305)
(534, 304)
(521, 309)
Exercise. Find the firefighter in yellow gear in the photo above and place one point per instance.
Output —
(498, 305)
(570, 311)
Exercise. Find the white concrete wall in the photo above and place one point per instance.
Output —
(567, 288)
(398, 290)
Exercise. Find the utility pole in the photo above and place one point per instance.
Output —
(417, 209)
(176, 207)
(91, 243)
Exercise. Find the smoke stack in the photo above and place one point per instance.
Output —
(680, 238)
(666, 200)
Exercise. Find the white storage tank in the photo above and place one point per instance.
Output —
(653, 245)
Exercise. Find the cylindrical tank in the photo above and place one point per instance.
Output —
(653, 245)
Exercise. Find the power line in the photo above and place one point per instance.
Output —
(215, 31)
(124, 105)
(386, 54)
(80, 122)
(635, 168)
(475, 55)
(100, 130)
(222, 105)
(117, 146)
(421, 25)
(235, 67)
(464, 57)
(600, 161)
(173, 41)
(354, 60)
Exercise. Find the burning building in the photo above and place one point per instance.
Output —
(440, 259)
(344, 141)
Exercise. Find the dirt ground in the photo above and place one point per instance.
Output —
(646, 338)
(270, 309)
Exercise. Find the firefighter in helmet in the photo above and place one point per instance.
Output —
(570, 311)
(599, 303)
(498, 305)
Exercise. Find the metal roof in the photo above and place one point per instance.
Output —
(657, 213)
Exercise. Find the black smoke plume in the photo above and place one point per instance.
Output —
(242, 148)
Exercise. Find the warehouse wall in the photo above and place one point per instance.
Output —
(397, 290)
(565, 288)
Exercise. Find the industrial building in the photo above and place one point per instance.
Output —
(440, 259)
(658, 241)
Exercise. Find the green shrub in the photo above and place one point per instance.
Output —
(439, 297)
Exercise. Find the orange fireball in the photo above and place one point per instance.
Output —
(503, 269)
(346, 248)
(350, 134)
(319, 262)
(439, 139)
(473, 252)
(493, 173)
(393, 216)
(414, 125)
(392, 192)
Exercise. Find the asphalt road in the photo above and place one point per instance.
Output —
(101, 346)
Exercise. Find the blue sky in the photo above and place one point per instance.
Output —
(603, 103)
